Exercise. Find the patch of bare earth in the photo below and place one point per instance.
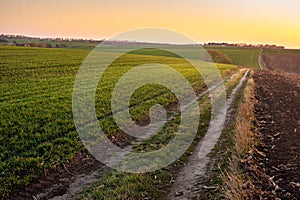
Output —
(56, 180)
(275, 165)
(64, 180)
(284, 62)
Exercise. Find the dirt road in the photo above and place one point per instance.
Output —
(261, 62)
(187, 184)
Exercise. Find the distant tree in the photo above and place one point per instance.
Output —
(63, 46)
(42, 45)
(33, 44)
(49, 45)
(15, 42)
(18, 43)
(219, 57)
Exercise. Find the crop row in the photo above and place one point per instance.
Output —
(36, 122)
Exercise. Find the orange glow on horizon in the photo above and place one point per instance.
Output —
(234, 21)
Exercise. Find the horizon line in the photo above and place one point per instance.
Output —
(103, 39)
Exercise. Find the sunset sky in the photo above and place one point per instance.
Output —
(251, 21)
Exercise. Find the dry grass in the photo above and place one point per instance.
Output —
(244, 136)
(235, 185)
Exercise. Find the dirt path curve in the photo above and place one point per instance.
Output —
(261, 60)
(186, 185)
(63, 180)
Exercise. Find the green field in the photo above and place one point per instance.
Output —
(37, 127)
(153, 185)
(35, 108)
(240, 56)
(247, 57)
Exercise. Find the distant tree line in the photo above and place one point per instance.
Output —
(60, 42)
(37, 44)
(20, 40)
(263, 46)
(22, 37)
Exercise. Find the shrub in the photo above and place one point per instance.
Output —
(219, 57)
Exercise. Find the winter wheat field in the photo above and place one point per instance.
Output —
(255, 156)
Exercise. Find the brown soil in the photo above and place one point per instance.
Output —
(284, 62)
(275, 164)
(57, 179)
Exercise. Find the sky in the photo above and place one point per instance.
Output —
(234, 21)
